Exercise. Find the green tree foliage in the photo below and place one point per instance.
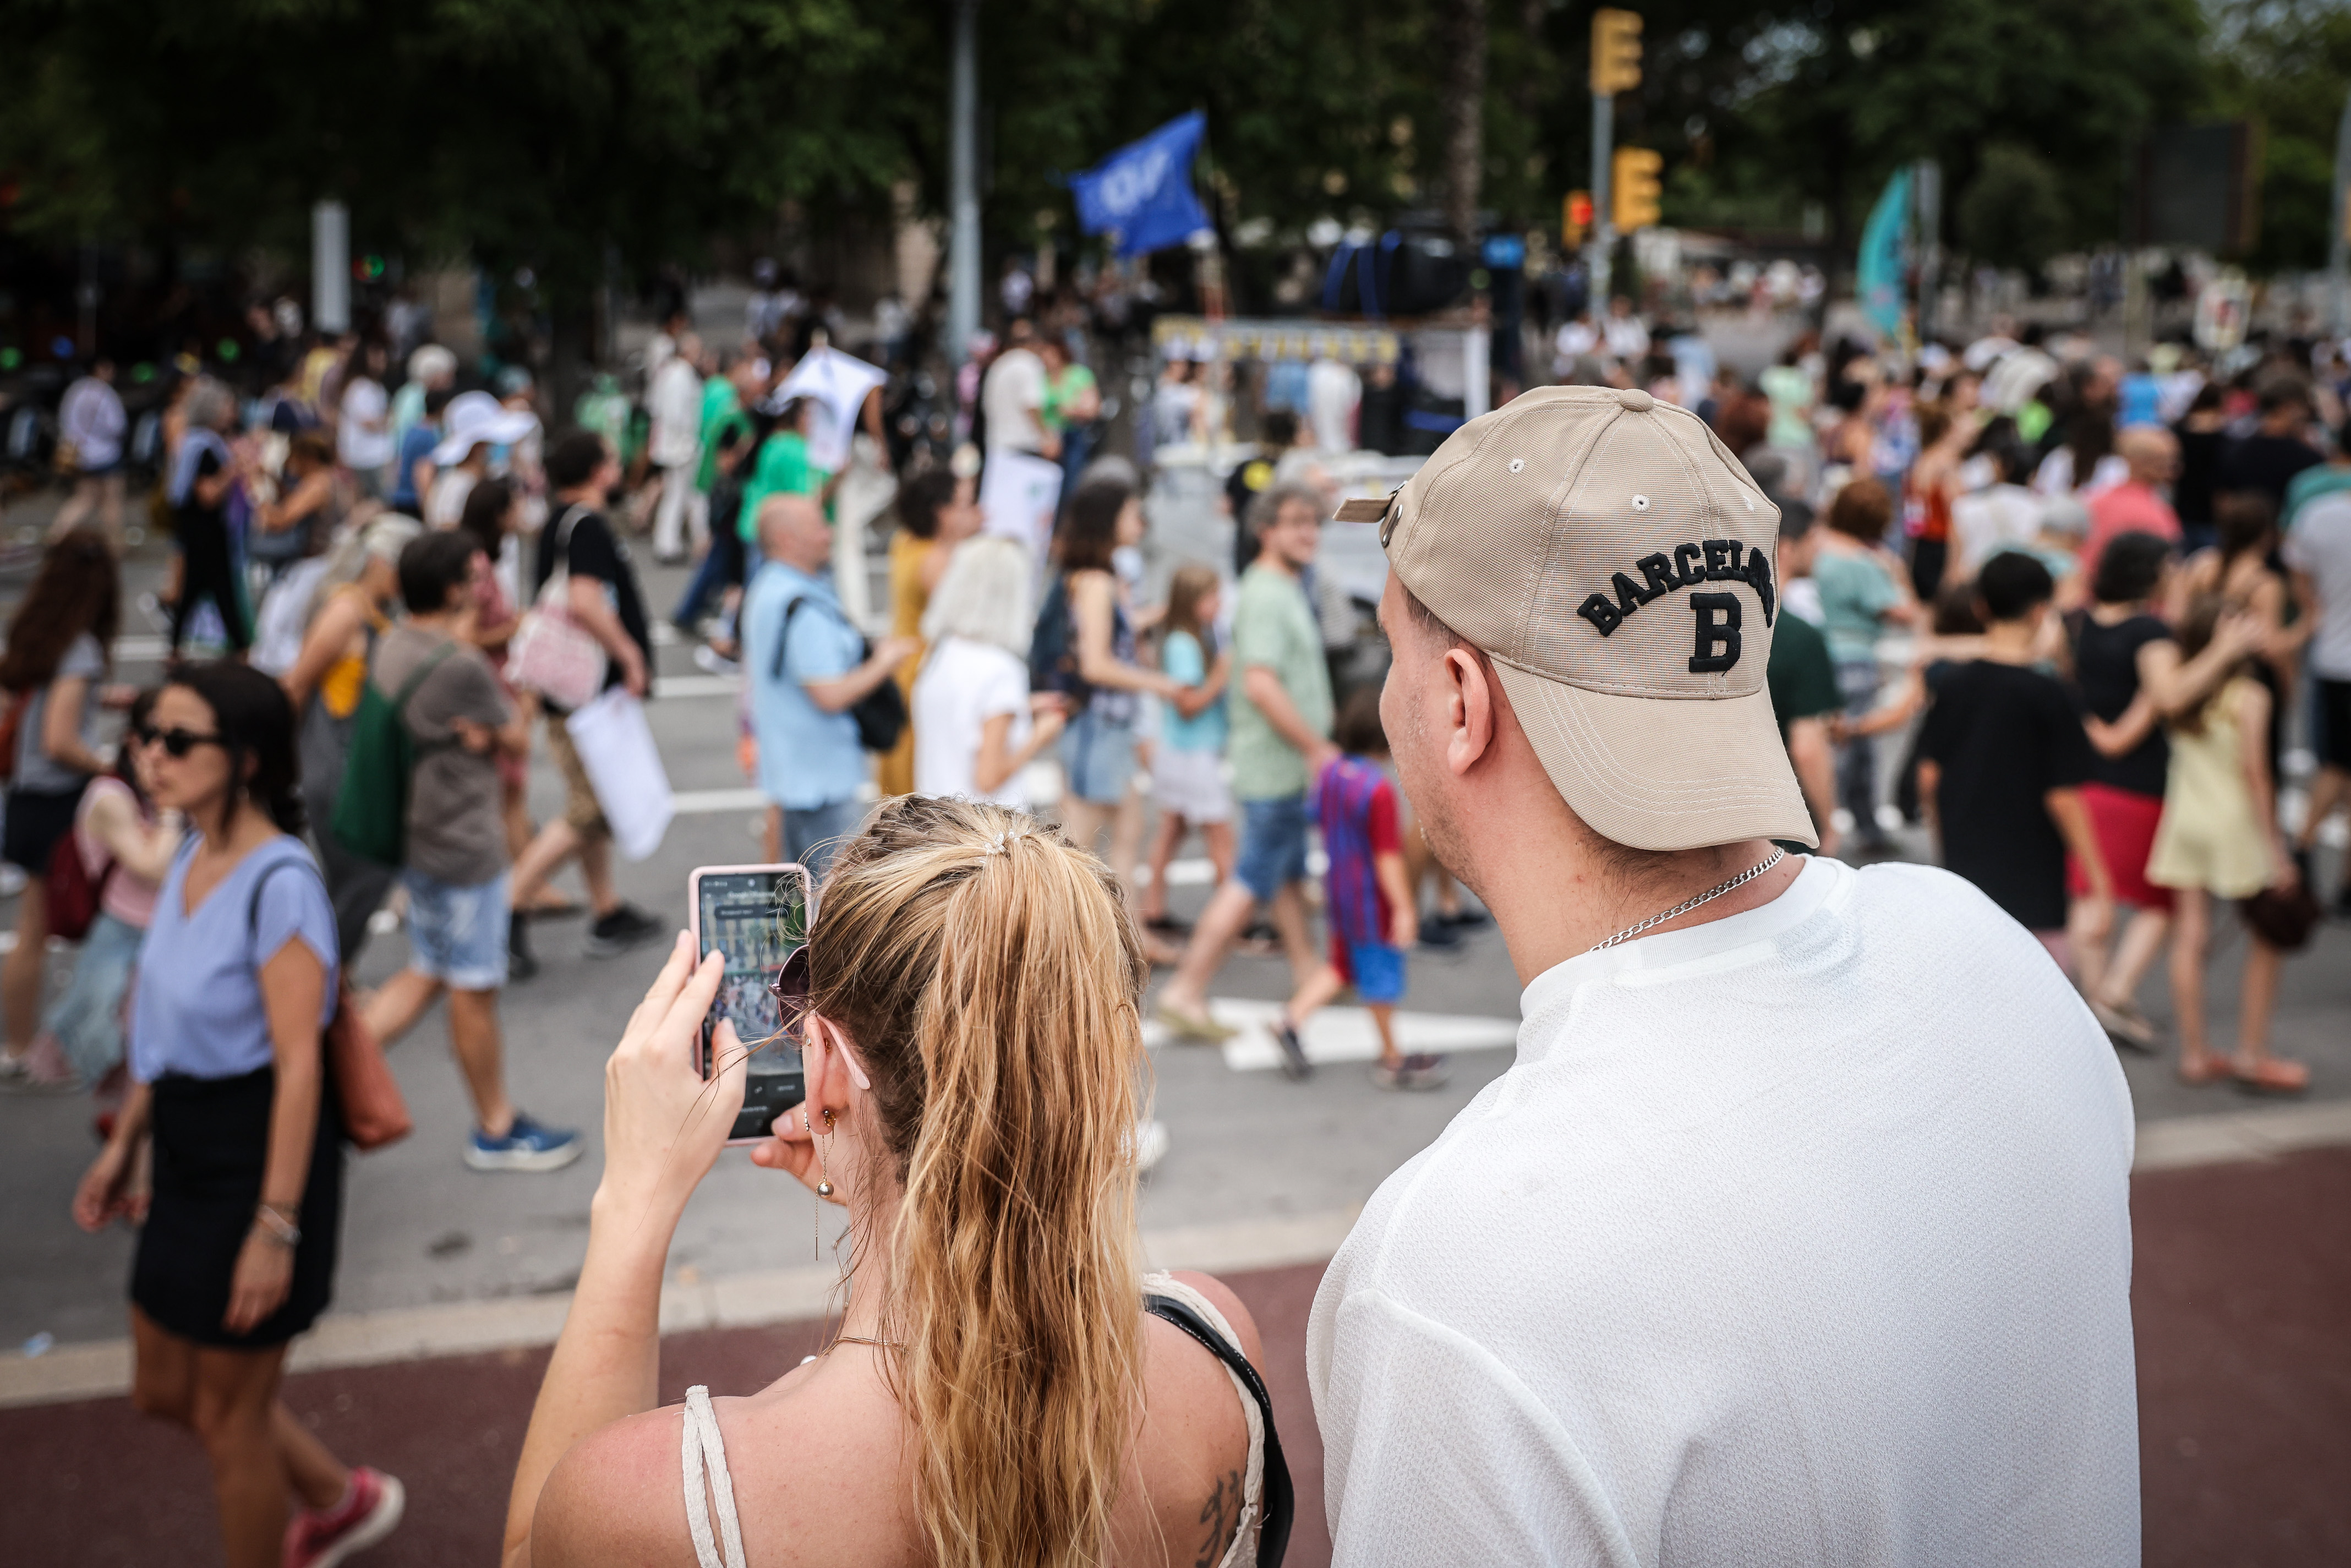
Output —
(2012, 212)
(2287, 64)
(562, 134)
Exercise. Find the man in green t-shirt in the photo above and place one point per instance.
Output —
(783, 467)
(1801, 678)
(1280, 745)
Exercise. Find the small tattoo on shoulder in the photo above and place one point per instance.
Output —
(1220, 1513)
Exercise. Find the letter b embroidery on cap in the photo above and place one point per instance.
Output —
(1717, 632)
(1601, 612)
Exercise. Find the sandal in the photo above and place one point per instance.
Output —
(2209, 1069)
(2270, 1075)
(2124, 1025)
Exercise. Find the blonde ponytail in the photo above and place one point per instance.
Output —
(991, 978)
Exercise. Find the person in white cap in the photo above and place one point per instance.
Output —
(476, 423)
(1798, 1232)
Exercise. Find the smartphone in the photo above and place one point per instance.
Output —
(758, 916)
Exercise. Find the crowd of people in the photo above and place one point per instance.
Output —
(2066, 615)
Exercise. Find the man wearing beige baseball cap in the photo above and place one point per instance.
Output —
(1798, 1230)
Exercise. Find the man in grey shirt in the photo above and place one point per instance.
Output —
(455, 872)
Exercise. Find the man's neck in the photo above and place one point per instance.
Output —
(586, 495)
(442, 624)
(1554, 898)
(2009, 642)
(1273, 562)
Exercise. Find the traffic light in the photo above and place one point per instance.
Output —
(1634, 188)
(1575, 219)
(1615, 51)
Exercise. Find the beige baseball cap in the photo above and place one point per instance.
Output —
(1613, 561)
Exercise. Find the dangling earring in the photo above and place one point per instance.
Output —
(815, 1218)
(824, 1171)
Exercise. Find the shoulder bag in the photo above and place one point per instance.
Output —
(367, 1096)
(552, 654)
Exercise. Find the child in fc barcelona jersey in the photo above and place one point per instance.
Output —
(1367, 901)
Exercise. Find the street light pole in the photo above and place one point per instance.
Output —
(963, 243)
(1603, 226)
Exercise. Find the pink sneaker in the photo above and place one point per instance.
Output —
(323, 1537)
(42, 1069)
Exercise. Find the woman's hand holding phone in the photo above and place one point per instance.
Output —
(663, 1122)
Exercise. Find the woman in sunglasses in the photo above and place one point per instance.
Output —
(1008, 1388)
(229, 1098)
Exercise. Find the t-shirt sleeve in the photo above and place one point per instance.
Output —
(2071, 762)
(1180, 661)
(817, 650)
(293, 906)
(1003, 688)
(1257, 628)
(1935, 734)
(463, 687)
(593, 552)
(1434, 1452)
(1387, 838)
(85, 658)
(1875, 589)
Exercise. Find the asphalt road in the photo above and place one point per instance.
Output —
(1246, 1144)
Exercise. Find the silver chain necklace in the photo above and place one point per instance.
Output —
(1708, 896)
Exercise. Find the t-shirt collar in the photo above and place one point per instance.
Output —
(1797, 903)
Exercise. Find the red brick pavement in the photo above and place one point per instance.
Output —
(2242, 1296)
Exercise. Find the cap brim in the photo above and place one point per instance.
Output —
(502, 432)
(1659, 773)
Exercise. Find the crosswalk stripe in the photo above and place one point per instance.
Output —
(1339, 1034)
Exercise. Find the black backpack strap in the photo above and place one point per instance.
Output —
(1280, 1502)
(784, 637)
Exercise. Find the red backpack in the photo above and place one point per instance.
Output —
(73, 894)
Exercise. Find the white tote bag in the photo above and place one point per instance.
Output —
(624, 768)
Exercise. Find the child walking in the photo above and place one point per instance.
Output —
(2219, 839)
(1367, 901)
(1187, 778)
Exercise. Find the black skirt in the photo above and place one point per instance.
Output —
(212, 1137)
(38, 819)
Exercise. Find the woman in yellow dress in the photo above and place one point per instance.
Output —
(937, 511)
(2219, 838)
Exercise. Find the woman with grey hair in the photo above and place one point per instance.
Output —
(977, 725)
(203, 471)
(353, 605)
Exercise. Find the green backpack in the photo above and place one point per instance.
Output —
(371, 808)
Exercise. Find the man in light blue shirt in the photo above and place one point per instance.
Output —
(808, 667)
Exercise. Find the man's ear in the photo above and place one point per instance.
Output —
(1469, 702)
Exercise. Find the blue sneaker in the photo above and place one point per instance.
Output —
(528, 1146)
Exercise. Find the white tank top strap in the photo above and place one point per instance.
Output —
(1242, 1553)
(701, 1445)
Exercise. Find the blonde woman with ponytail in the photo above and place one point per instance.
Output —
(1007, 1389)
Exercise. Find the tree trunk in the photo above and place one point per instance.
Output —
(1465, 114)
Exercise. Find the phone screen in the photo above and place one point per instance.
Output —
(758, 918)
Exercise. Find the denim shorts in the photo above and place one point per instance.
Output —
(1274, 845)
(1098, 754)
(458, 935)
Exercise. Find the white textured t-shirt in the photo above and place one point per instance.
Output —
(964, 684)
(1802, 1236)
(2319, 545)
(1012, 392)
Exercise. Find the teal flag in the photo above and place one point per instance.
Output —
(1878, 272)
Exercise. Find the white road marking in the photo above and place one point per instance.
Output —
(1339, 1034)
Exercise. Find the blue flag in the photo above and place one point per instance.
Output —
(1142, 192)
(1880, 267)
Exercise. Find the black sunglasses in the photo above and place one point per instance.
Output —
(178, 742)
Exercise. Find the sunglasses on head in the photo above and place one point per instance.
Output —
(790, 985)
(178, 742)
